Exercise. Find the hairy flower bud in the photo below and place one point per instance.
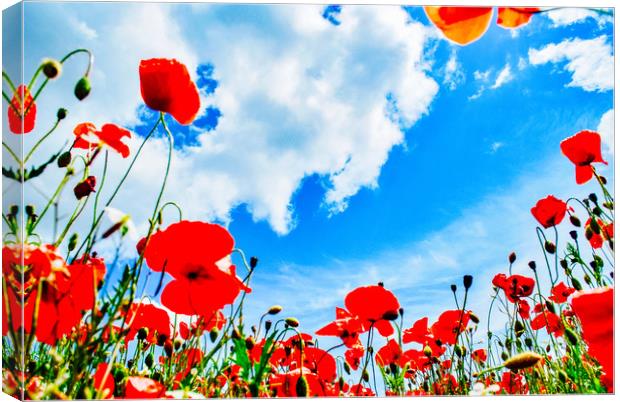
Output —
(522, 361)
(143, 333)
(51, 68)
(64, 159)
(273, 310)
(253, 262)
(575, 221)
(301, 387)
(292, 322)
(149, 360)
(61, 113)
(512, 257)
(213, 334)
(550, 247)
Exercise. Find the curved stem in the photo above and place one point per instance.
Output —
(10, 151)
(9, 81)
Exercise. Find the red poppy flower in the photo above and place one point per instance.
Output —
(479, 356)
(17, 105)
(583, 149)
(418, 332)
(463, 25)
(523, 308)
(85, 187)
(513, 383)
(606, 232)
(186, 360)
(550, 321)
(514, 286)
(318, 361)
(595, 310)
(390, 353)
(354, 355)
(88, 137)
(561, 292)
(360, 390)
(194, 253)
(167, 87)
(449, 325)
(549, 211)
(513, 17)
(103, 388)
(374, 305)
(154, 319)
(346, 326)
(143, 388)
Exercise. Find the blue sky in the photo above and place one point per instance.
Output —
(343, 146)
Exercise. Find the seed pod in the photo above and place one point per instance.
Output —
(82, 88)
(522, 361)
(453, 288)
(532, 265)
(301, 387)
(267, 325)
(467, 281)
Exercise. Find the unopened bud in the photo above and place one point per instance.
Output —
(72, 242)
(253, 262)
(82, 88)
(301, 387)
(571, 336)
(593, 197)
(365, 376)
(347, 368)
(143, 333)
(64, 159)
(267, 325)
(474, 318)
(549, 247)
(576, 284)
(532, 265)
(149, 360)
(428, 351)
(292, 322)
(597, 211)
(213, 334)
(273, 310)
(522, 361)
(250, 342)
(453, 288)
(51, 68)
(467, 281)
(61, 114)
(575, 221)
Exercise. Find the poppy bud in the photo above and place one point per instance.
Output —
(213, 334)
(161, 339)
(72, 241)
(64, 159)
(512, 257)
(177, 344)
(61, 114)
(168, 347)
(249, 343)
(143, 333)
(390, 315)
(341, 382)
(593, 197)
(149, 360)
(82, 88)
(528, 342)
(467, 281)
(84, 188)
(597, 211)
(273, 310)
(51, 68)
(504, 356)
(401, 311)
(428, 351)
(459, 350)
(365, 376)
(474, 318)
(29, 210)
(130, 364)
(548, 348)
(532, 265)
(571, 336)
(549, 247)
(13, 210)
(347, 368)
(235, 334)
(301, 387)
(267, 325)
(603, 179)
(519, 328)
(575, 221)
(370, 350)
(292, 322)
(587, 279)
(253, 262)
(522, 361)
(453, 288)
(576, 284)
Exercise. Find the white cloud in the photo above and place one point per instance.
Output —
(590, 61)
(574, 15)
(82, 28)
(496, 146)
(504, 76)
(484, 78)
(453, 72)
(606, 130)
(298, 97)
(522, 64)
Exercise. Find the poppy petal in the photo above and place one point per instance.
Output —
(462, 25)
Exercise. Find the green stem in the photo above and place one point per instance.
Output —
(40, 142)
(10, 151)
(8, 80)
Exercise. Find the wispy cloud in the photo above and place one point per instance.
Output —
(574, 15)
(453, 72)
(504, 76)
(484, 78)
(590, 61)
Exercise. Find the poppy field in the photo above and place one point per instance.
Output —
(73, 331)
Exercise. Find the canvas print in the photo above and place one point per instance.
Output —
(207, 200)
